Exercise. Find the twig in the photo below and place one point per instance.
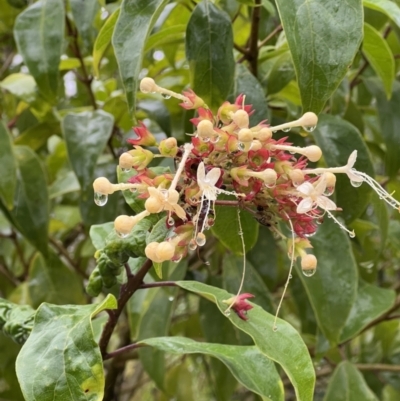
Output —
(378, 366)
(240, 49)
(62, 251)
(6, 273)
(278, 29)
(20, 252)
(355, 81)
(122, 350)
(158, 284)
(252, 56)
(7, 63)
(126, 292)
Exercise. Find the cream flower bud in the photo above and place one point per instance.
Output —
(309, 119)
(245, 135)
(205, 129)
(124, 224)
(308, 262)
(147, 85)
(296, 176)
(330, 179)
(241, 118)
(313, 153)
(256, 145)
(165, 251)
(101, 185)
(126, 161)
(153, 205)
(264, 134)
(150, 252)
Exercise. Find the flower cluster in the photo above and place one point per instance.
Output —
(267, 177)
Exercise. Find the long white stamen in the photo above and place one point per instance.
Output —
(343, 227)
(306, 120)
(188, 148)
(275, 327)
(244, 263)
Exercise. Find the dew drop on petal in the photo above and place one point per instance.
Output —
(329, 191)
(205, 139)
(308, 235)
(309, 272)
(286, 129)
(192, 245)
(241, 146)
(165, 96)
(126, 170)
(200, 239)
(177, 260)
(214, 139)
(309, 128)
(133, 190)
(121, 235)
(100, 199)
(171, 221)
(355, 184)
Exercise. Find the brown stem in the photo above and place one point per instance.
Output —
(378, 366)
(240, 49)
(278, 29)
(7, 63)
(253, 42)
(133, 283)
(355, 81)
(62, 251)
(122, 350)
(20, 253)
(158, 284)
(6, 273)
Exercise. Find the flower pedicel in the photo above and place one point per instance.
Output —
(267, 177)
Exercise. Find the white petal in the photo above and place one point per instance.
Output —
(352, 159)
(321, 186)
(201, 174)
(306, 188)
(325, 203)
(305, 205)
(353, 176)
(213, 176)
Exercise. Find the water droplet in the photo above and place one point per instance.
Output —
(170, 299)
(214, 139)
(171, 221)
(200, 239)
(329, 191)
(308, 235)
(241, 146)
(165, 96)
(121, 235)
(274, 132)
(133, 190)
(286, 129)
(192, 245)
(205, 139)
(164, 193)
(290, 276)
(352, 234)
(310, 128)
(100, 199)
(227, 312)
(275, 328)
(309, 272)
(210, 222)
(126, 170)
(177, 260)
(355, 184)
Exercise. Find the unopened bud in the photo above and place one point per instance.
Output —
(264, 134)
(296, 176)
(150, 252)
(124, 224)
(330, 179)
(147, 85)
(205, 129)
(309, 262)
(153, 205)
(165, 251)
(125, 161)
(102, 186)
(313, 153)
(241, 118)
(168, 147)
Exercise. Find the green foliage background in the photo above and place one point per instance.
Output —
(69, 78)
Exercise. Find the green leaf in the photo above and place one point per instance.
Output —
(388, 7)
(51, 281)
(84, 13)
(99, 233)
(31, 205)
(36, 136)
(348, 384)
(135, 22)
(209, 43)
(171, 34)
(379, 55)
(249, 366)
(232, 267)
(39, 33)
(338, 138)
(389, 119)
(8, 177)
(323, 37)
(86, 136)
(226, 228)
(284, 346)
(75, 368)
(371, 302)
(246, 83)
(20, 85)
(332, 290)
(103, 40)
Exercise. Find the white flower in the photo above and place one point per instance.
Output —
(313, 197)
(350, 171)
(207, 182)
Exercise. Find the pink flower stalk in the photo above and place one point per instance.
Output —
(144, 136)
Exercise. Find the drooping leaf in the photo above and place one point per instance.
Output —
(86, 135)
(388, 7)
(389, 119)
(51, 281)
(61, 359)
(20, 85)
(165, 36)
(84, 12)
(284, 346)
(338, 138)
(348, 384)
(379, 55)
(249, 366)
(39, 33)
(8, 177)
(247, 84)
(31, 205)
(209, 43)
(226, 228)
(371, 302)
(323, 37)
(332, 290)
(136, 19)
(103, 40)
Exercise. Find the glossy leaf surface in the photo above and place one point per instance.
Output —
(209, 43)
(388, 7)
(75, 368)
(247, 364)
(323, 37)
(134, 24)
(284, 346)
(39, 33)
(8, 177)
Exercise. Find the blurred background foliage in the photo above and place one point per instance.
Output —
(68, 99)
